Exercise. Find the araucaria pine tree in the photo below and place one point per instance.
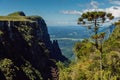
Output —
(94, 20)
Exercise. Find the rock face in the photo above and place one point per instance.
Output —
(26, 50)
(51, 45)
(56, 52)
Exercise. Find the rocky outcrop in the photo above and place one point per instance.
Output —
(25, 47)
(53, 46)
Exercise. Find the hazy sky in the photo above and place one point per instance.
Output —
(59, 12)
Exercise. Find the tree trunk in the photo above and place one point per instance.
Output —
(96, 32)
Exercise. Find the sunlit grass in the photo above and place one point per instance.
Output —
(14, 18)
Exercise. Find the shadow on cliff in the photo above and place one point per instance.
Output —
(14, 46)
(2, 77)
(56, 52)
(53, 46)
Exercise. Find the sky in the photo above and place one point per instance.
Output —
(59, 12)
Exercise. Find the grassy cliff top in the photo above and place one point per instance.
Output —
(19, 16)
(13, 18)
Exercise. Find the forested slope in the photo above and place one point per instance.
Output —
(87, 64)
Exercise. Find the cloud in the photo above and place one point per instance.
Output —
(74, 12)
(117, 2)
(94, 4)
(115, 10)
(89, 10)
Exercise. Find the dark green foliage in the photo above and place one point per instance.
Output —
(102, 14)
(8, 69)
(89, 18)
(93, 20)
(27, 33)
(31, 72)
(109, 15)
(1, 33)
(93, 15)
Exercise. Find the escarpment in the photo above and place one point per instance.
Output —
(26, 49)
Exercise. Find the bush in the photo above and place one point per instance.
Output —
(8, 68)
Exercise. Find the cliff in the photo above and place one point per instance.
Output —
(26, 49)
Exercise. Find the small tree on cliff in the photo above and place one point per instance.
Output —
(93, 20)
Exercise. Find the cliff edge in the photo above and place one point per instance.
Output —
(25, 49)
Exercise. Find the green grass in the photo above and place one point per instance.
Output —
(14, 18)
(19, 16)
(18, 13)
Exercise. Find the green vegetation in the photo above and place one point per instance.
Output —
(93, 20)
(14, 18)
(19, 13)
(1, 33)
(8, 68)
(87, 63)
(19, 16)
(27, 33)
(31, 72)
(86, 66)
